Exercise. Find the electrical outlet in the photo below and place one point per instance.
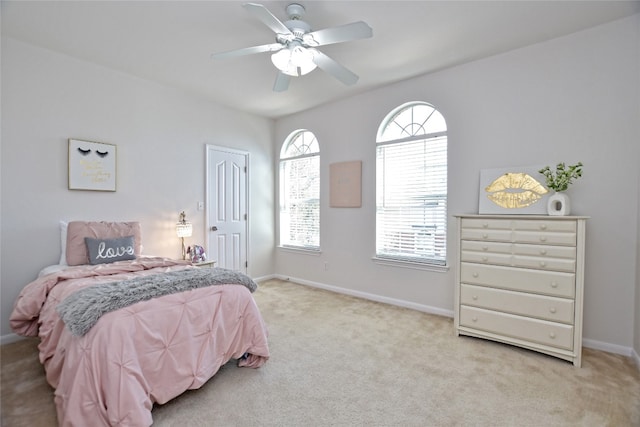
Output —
(200, 206)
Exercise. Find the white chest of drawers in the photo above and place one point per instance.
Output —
(520, 280)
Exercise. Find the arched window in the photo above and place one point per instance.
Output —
(300, 191)
(411, 185)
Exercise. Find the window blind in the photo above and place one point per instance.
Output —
(300, 202)
(411, 211)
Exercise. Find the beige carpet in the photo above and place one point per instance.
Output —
(343, 361)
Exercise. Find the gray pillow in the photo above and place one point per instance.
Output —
(102, 251)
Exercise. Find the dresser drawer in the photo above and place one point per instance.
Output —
(486, 235)
(487, 223)
(533, 330)
(520, 303)
(486, 258)
(545, 251)
(548, 264)
(545, 225)
(486, 247)
(552, 283)
(545, 238)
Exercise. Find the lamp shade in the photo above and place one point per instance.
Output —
(183, 227)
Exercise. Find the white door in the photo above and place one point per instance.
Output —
(227, 225)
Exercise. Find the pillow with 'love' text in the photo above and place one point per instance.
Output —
(103, 251)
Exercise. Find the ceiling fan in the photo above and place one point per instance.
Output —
(295, 47)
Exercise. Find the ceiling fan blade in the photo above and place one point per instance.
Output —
(335, 69)
(247, 51)
(282, 82)
(267, 18)
(344, 33)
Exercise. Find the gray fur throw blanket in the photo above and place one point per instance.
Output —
(82, 309)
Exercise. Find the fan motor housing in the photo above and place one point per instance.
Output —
(295, 11)
(297, 27)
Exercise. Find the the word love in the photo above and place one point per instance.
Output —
(111, 252)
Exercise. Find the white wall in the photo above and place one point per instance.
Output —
(570, 99)
(160, 134)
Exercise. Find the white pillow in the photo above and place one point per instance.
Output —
(52, 269)
(63, 242)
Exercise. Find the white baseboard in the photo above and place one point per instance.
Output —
(636, 358)
(371, 297)
(609, 348)
(9, 338)
(264, 278)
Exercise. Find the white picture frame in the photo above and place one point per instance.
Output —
(92, 165)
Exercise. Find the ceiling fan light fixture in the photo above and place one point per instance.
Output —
(294, 60)
(294, 53)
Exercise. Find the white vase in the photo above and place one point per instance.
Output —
(558, 204)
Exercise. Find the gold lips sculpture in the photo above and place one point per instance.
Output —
(515, 190)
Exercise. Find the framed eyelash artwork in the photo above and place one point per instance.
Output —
(92, 166)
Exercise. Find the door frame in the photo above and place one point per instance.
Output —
(208, 208)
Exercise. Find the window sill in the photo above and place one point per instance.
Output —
(410, 264)
(313, 252)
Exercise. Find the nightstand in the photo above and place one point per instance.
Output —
(209, 264)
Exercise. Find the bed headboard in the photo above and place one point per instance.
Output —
(76, 248)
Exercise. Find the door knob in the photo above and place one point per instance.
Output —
(214, 228)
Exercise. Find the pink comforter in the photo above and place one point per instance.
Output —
(147, 353)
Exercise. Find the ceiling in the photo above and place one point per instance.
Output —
(170, 42)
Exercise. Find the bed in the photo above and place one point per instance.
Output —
(109, 358)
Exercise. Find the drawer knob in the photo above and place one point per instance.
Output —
(543, 226)
(543, 264)
(485, 235)
(474, 319)
(552, 335)
(554, 285)
(543, 239)
(552, 310)
(485, 248)
(485, 259)
(474, 297)
(543, 252)
(485, 225)
(475, 274)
